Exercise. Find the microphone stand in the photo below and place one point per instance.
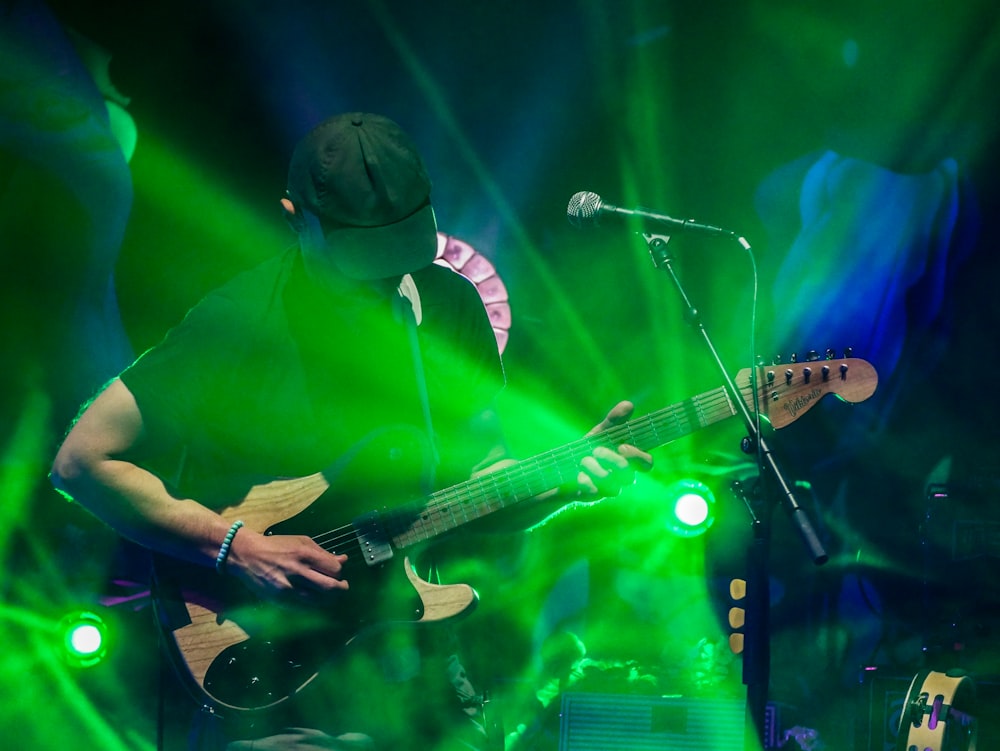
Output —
(757, 652)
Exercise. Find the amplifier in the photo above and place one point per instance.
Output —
(624, 722)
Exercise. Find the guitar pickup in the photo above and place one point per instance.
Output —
(372, 538)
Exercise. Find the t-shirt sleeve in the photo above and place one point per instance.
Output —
(181, 383)
(174, 382)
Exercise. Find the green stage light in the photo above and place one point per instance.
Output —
(83, 637)
(692, 508)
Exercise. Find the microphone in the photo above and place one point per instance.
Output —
(587, 209)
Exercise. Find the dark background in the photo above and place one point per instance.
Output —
(685, 107)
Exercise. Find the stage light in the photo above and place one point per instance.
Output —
(83, 638)
(692, 508)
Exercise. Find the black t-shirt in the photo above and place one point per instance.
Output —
(272, 376)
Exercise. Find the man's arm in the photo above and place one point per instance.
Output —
(94, 466)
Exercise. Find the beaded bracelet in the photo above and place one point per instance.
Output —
(220, 559)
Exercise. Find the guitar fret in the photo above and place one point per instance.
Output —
(495, 491)
(478, 497)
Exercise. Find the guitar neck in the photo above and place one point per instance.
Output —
(474, 499)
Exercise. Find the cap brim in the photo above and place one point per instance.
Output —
(387, 250)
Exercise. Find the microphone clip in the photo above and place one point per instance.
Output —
(658, 247)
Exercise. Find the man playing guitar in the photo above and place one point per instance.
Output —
(350, 359)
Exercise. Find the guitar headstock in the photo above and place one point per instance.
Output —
(788, 391)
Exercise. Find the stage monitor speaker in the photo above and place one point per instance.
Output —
(624, 722)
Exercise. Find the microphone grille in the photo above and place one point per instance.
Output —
(584, 208)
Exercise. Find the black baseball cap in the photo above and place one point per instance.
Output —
(362, 176)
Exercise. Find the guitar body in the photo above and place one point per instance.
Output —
(936, 715)
(241, 654)
(238, 653)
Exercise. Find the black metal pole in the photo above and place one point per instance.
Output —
(772, 484)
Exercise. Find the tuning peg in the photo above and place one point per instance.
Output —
(812, 356)
(794, 357)
(830, 354)
(849, 352)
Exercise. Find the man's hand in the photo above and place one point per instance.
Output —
(606, 471)
(285, 568)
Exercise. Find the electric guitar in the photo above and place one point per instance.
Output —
(237, 652)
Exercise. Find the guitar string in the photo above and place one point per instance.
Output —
(643, 432)
(528, 468)
(509, 486)
(517, 480)
(517, 483)
(520, 480)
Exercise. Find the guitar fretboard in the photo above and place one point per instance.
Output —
(476, 498)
